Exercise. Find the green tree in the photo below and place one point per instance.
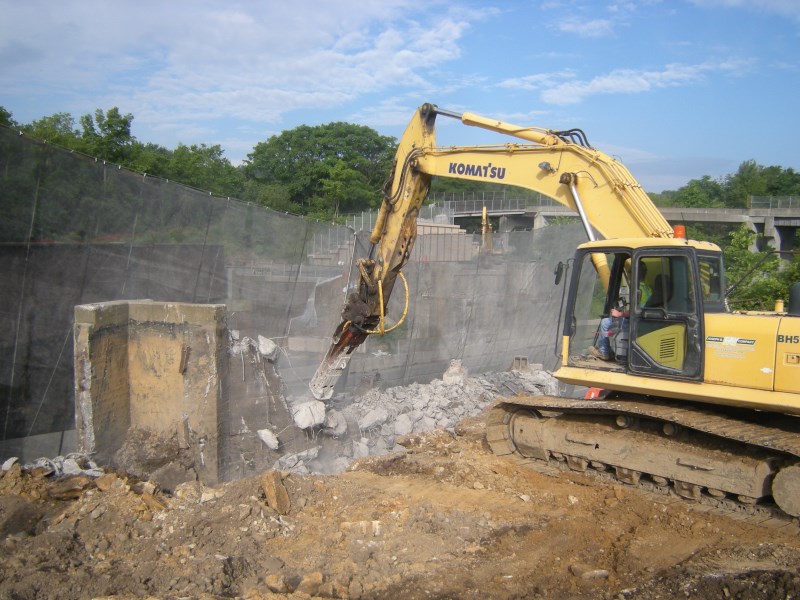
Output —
(205, 168)
(760, 277)
(700, 193)
(734, 190)
(752, 179)
(748, 181)
(303, 159)
(665, 198)
(151, 159)
(6, 118)
(346, 190)
(57, 129)
(107, 135)
(782, 182)
(274, 196)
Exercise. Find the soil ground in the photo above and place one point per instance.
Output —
(444, 518)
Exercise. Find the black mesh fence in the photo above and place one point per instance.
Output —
(75, 230)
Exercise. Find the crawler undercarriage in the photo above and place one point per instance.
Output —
(695, 452)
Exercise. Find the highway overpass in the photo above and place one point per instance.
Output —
(776, 218)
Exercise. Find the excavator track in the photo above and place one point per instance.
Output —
(723, 461)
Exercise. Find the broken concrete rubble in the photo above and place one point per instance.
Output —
(309, 414)
(71, 464)
(369, 425)
(373, 418)
(383, 415)
(360, 448)
(269, 438)
(268, 349)
(296, 463)
(355, 426)
(455, 374)
(403, 425)
(335, 424)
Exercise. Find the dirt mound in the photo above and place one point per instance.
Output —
(744, 572)
(440, 518)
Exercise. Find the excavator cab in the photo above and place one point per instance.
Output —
(650, 310)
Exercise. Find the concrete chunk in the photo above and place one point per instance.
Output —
(374, 418)
(269, 438)
(456, 373)
(309, 414)
(360, 449)
(296, 462)
(335, 424)
(403, 425)
(268, 349)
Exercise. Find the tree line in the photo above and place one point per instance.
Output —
(331, 170)
(322, 172)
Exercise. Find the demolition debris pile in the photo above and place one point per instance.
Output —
(370, 424)
(384, 415)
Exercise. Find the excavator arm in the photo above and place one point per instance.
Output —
(558, 164)
(392, 239)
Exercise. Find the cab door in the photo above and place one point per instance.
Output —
(666, 336)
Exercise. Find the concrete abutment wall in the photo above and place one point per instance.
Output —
(158, 366)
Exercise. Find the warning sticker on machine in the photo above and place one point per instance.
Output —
(730, 341)
(729, 346)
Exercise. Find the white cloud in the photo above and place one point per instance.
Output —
(395, 111)
(538, 81)
(564, 88)
(178, 62)
(592, 20)
(592, 28)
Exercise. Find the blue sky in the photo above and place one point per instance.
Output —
(677, 89)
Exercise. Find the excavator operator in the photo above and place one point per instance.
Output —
(617, 320)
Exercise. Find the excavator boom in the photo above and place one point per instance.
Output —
(561, 165)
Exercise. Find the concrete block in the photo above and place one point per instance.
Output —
(152, 365)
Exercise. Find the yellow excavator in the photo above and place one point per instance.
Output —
(686, 396)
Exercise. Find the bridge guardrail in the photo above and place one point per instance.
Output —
(774, 202)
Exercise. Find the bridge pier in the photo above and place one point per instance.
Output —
(776, 236)
(786, 235)
(760, 240)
